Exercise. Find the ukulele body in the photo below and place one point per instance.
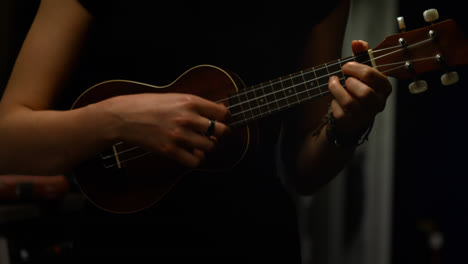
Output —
(135, 178)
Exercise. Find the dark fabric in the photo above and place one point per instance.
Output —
(243, 214)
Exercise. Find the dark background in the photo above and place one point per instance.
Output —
(430, 174)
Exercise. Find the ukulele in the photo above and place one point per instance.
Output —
(128, 178)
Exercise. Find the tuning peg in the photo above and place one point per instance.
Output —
(449, 78)
(431, 15)
(417, 87)
(401, 24)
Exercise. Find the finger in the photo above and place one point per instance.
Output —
(201, 125)
(212, 110)
(365, 95)
(199, 141)
(191, 159)
(345, 121)
(199, 154)
(338, 111)
(347, 103)
(188, 138)
(359, 46)
(368, 75)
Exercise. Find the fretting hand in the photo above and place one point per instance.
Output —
(355, 106)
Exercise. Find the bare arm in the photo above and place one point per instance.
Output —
(37, 140)
(33, 138)
(312, 160)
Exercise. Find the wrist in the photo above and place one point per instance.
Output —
(107, 123)
(346, 139)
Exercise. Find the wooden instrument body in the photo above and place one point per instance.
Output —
(140, 182)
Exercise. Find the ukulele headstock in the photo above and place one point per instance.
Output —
(438, 47)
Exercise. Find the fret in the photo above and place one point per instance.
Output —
(310, 79)
(245, 104)
(235, 107)
(261, 99)
(322, 78)
(326, 68)
(343, 62)
(346, 60)
(300, 86)
(335, 70)
(290, 92)
(252, 101)
(270, 97)
(279, 93)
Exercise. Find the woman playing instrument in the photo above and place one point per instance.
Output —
(244, 211)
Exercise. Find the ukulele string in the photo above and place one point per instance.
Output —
(112, 156)
(108, 166)
(312, 89)
(261, 87)
(398, 47)
(403, 64)
(401, 49)
(247, 119)
(253, 117)
(118, 153)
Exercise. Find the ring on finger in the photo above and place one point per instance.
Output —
(211, 128)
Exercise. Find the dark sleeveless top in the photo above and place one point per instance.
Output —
(243, 214)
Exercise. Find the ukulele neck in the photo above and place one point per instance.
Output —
(264, 99)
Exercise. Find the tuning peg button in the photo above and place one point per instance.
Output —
(431, 15)
(449, 78)
(401, 24)
(417, 87)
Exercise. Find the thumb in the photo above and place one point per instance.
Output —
(359, 46)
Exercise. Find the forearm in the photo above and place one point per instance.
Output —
(52, 142)
(318, 162)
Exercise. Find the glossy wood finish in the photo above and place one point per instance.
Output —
(142, 181)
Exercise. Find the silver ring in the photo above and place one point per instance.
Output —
(211, 129)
